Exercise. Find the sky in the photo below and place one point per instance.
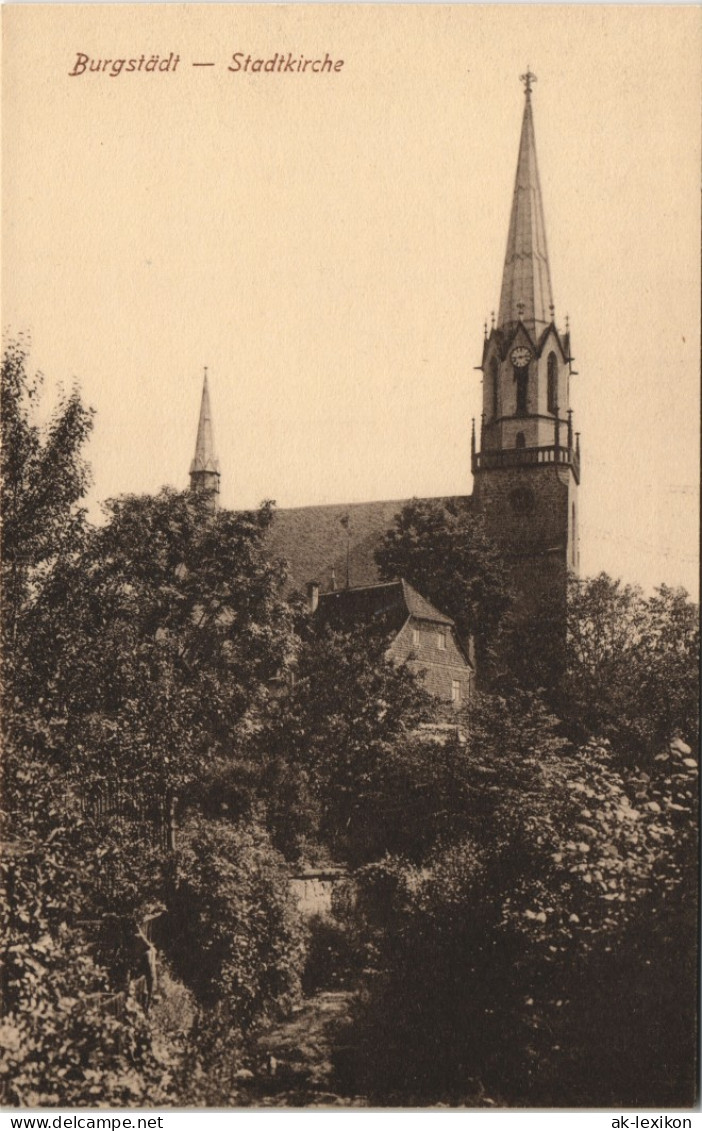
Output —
(330, 245)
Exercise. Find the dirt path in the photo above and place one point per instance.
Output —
(300, 1054)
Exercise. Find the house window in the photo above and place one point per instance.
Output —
(442, 641)
(415, 637)
(552, 376)
(455, 692)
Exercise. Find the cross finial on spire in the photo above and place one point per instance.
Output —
(528, 79)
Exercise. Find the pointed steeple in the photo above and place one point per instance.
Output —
(204, 469)
(526, 281)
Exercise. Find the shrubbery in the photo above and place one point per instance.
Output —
(547, 958)
(632, 665)
(67, 1036)
(235, 934)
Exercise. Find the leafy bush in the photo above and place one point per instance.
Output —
(61, 1043)
(632, 665)
(325, 745)
(68, 1038)
(547, 958)
(236, 939)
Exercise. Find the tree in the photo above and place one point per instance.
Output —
(135, 653)
(327, 742)
(440, 547)
(60, 1043)
(632, 664)
(66, 1037)
(442, 781)
(517, 966)
(173, 627)
(43, 481)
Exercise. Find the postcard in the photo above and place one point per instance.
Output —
(351, 504)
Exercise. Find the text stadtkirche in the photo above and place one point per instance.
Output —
(240, 62)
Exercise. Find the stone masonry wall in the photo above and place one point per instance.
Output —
(527, 513)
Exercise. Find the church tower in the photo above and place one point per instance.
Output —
(526, 461)
(204, 469)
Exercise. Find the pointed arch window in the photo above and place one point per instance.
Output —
(494, 387)
(521, 376)
(552, 382)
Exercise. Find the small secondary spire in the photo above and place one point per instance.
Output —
(204, 469)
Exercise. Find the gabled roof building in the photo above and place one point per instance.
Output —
(421, 636)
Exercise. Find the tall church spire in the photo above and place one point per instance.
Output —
(204, 469)
(526, 281)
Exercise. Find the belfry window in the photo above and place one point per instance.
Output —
(494, 386)
(521, 376)
(552, 378)
(520, 441)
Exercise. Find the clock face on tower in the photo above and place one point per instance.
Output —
(520, 357)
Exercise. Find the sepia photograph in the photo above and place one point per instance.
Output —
(350, 415)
